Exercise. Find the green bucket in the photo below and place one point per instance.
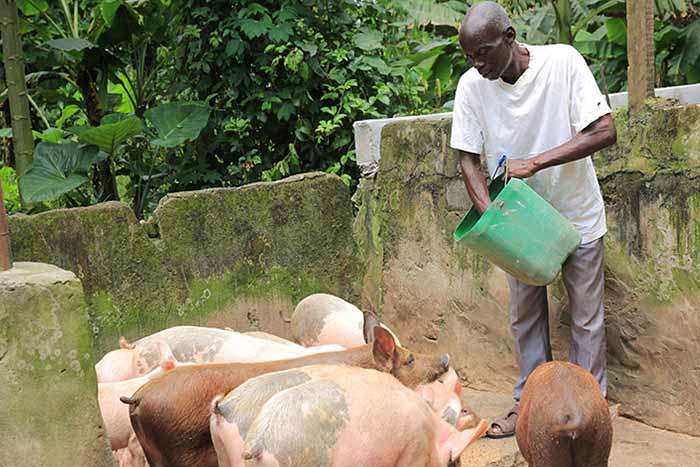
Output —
(520, 232)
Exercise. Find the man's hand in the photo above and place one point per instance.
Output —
(520, 168)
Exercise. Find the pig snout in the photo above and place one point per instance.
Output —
(414, 369)
(445, 361)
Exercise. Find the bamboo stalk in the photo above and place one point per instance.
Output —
(22, 138)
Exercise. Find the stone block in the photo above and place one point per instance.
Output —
(48, 391)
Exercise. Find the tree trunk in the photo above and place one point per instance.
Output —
(16, 86)
(640, 52)
(6, 143)
(562, 8)
(5, 246)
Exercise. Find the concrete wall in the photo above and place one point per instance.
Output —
(238, 257)
(47, 379)
(439, 296)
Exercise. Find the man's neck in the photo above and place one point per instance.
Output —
(521, 60)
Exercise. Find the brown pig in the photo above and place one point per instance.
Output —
(351, 417)
(326, 319)
(563, 419)
(170, 415)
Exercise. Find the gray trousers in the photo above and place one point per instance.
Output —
(582, 274)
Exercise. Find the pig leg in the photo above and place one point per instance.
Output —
(554, 454)
(226, 438)
(458, 441)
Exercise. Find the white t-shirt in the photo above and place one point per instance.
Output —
(555, 98)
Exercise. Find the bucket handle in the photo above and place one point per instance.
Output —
(501, 162)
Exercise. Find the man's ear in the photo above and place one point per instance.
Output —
(509, 35)
(370, 323)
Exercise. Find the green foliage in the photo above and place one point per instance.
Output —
(186, 94)
(115, 130)
(10, 192)
(289, 78)
(177, 122)
(57, 169)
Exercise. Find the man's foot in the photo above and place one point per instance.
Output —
(503, 427)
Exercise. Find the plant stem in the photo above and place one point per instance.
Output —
(39, 111)
(60, 30)
(69, 20)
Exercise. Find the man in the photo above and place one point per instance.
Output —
(541, 107)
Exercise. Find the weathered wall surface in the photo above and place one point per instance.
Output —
(47, 380)
(439, 296)
(235, 257)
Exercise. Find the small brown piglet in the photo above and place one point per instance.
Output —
(563, 418)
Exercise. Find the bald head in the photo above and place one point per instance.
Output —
(488, 39)
(483, 17)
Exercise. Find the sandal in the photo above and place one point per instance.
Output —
(504, 427)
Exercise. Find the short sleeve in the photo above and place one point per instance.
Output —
(586, 104)
(467, 134)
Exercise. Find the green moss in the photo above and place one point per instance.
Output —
(288, 237)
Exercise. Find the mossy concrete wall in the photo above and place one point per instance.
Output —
(238, 257)
(439, 296)
(48, 396)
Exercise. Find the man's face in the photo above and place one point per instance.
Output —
(488, 49)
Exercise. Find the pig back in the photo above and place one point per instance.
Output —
(563, 418)
(349, 417)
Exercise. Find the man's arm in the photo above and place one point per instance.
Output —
(474, 180)
(598, 135)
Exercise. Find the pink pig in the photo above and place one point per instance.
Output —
(326, 319)
(335, 415)
(114, 413)
(443, 396)
(193, 344)
(132, 455)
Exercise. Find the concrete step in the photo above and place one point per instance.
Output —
(634, 444)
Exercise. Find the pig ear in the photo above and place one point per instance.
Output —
(370, 322)
(384, 345)
(164, 350)
(458, 441)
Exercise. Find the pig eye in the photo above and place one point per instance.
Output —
(410, 360)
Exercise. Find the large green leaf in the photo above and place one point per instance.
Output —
(426, 12)
(369, 40)
(691, 47)
(177, 122)
(109, 9)
(57, 169)
(32, 7)
(71, 44)
(115, 130)
(617, 31)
